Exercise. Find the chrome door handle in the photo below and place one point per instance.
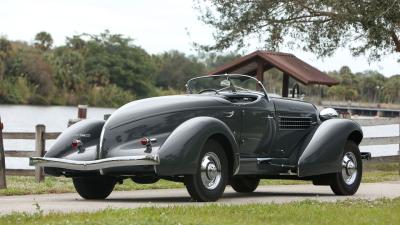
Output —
(229, 114)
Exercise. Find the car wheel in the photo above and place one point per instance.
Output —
(94, 187)
(244, 184)
(347, 181)
(209, 182)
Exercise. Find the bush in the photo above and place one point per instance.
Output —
(169, 91)
(17, 90)
(110, 96)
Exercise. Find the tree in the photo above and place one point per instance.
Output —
(176, 68)
(213, 60)
(43, 41)
(391, 89)
(5, 49)
(371, 85)
(5, 46)
(75, 42)
(69, 69)
(319, 26)
(115, 58)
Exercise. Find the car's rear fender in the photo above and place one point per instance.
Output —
(323, 150)
(180, 153)
(87, 131)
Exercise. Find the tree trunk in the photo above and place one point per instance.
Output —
(396, 41)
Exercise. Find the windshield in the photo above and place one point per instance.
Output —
(224, 83)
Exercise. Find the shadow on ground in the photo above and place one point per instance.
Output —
(181, 199)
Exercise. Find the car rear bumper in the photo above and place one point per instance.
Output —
(114, 162)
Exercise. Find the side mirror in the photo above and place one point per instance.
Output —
(328, 113)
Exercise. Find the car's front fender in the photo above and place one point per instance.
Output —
(323, 152)
(180, 153)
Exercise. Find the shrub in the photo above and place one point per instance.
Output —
(110, 95)
(17, 90)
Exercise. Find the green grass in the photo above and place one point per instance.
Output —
(383, 211)
(390, 166)
(26, 185)
(379, 172)
(17, 185)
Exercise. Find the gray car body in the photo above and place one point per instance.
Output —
(262, 137)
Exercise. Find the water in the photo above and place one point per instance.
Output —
(55, 118)
(23, 118)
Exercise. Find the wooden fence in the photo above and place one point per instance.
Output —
(40, 137)
(381, 140)
(2, 160)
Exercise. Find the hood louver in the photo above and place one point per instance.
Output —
(294, 123)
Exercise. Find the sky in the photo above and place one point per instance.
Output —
(155, 25)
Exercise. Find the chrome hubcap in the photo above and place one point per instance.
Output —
(210, 171)
(349, 168)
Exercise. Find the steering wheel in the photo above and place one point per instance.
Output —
(208, 90)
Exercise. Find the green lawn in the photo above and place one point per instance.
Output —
(27, 185)
(347, 212)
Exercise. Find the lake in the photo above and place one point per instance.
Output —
(55, 118)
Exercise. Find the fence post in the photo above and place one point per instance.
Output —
(82, 111)
(82, 114)
(106, 116)
(40, 144)
(3, 183)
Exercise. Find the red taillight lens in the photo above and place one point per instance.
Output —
(76, 143)
(145, 141)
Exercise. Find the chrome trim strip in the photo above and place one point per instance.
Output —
(260, 160)
(95, 164)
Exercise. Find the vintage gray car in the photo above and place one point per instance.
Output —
(226, 131)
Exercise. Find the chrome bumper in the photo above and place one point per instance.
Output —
(95, 164)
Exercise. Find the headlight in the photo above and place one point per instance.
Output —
(328, 113)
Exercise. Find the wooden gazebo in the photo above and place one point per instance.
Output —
(256, 63)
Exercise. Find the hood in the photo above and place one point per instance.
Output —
(149, 107)
(293, 107)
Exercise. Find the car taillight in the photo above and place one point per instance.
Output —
(76, 143)
(145, 141)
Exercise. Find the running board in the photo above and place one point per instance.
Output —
(274, 162)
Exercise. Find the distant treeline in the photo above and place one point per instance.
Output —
(368, 86)
(110, 70)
